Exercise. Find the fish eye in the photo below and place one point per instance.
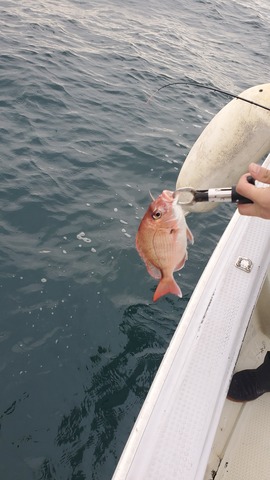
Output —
(156, 215)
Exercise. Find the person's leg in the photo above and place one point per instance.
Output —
(250, 384)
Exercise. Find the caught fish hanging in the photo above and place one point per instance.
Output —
(161, 241)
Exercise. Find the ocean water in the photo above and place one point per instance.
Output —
(81, 339)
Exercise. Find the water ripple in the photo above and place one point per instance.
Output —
(80, 337)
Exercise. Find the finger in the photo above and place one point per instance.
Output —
(245, 188)
(247, 209)
(259, 173)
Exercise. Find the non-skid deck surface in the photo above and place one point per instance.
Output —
(241, 449)
(247, 454)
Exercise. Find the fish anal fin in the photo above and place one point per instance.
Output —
(152, 270)
(167, 285)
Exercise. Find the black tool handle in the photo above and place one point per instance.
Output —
(201, 196)
(237, 198)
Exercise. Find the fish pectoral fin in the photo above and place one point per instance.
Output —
(167, 285)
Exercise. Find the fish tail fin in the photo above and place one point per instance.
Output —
(167, 285)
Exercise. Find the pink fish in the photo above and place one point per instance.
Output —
(162, 242)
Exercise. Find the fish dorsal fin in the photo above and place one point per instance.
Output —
(190, 236)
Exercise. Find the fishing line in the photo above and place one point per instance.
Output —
(213, 89)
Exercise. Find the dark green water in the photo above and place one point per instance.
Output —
(80, 337)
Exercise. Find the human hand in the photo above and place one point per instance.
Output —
(260, 196)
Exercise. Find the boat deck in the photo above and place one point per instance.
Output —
(242, 443)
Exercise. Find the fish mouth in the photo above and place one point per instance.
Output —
(168, 196)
